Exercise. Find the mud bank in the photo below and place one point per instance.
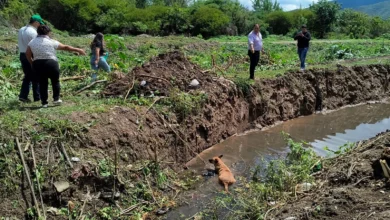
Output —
(227, 111)
(351, 186)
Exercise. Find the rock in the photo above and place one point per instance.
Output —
(143, 83)
(108, 195)
(75, 159)
(194, 83)
(304, 187)
(61, 186)
(162, 211)
(53, 211)
(291, 218)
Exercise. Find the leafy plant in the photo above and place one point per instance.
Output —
(184, 103)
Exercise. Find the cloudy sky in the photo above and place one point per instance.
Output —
(287, 5)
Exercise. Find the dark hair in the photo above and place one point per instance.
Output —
(43, 30)
(98, 39)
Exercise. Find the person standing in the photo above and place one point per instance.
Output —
(255, 45)
(303, 37)
(98, 55)
(41, 53)
(25, 35)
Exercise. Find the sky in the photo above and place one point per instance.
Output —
(287, 5)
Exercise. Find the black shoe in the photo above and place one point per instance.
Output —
(25, 100)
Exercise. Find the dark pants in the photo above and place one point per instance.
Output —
(29, 78)
(48, 69)
(254, 58)
(302, 52)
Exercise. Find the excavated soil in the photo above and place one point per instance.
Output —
(351, 186)
(227, 111)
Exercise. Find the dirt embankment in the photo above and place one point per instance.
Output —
(351, 186)
(142, 133)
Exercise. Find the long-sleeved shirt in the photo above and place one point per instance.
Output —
(256, 40)
(303, 41)
(25, 35)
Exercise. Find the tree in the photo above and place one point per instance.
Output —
(279, 22)
(265, 6)
(209, 21)
(353, 23)
(326, 12)
(74, 15)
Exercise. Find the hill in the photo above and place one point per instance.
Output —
(357, 3)
(380, 9)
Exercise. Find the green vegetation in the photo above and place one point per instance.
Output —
(201, 18)
(275, 183)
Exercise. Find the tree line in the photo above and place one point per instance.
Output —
(207, 18)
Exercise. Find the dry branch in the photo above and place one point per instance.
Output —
(90, 85)
(131, 87)
(154, 77)
(66, 155)
(28, 178)
(38, 184)
(73, 78)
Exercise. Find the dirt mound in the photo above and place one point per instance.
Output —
(351, 186)
(160, 75)
(227, 111)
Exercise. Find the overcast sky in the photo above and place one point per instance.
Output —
(287, 5)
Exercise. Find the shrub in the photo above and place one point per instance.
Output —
(209, 21)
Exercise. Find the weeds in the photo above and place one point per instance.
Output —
(185, 104)
(274, 183)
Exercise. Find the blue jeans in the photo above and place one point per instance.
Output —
(101, 64)
(302, 52)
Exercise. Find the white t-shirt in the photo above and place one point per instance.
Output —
(44, 48)
(25, 35)
(256, 40)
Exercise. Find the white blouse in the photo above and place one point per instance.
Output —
(44, 48)
(256, 40)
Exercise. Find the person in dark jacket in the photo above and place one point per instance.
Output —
(303, 37)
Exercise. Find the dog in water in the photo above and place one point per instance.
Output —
(225, 176)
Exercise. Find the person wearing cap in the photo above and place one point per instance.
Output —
(255, 45)
(25, 35)
(303, 37)
(41, 53)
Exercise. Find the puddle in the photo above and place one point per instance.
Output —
(241, 153)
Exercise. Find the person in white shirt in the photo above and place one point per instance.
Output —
(255, 45)
(25, 35)
(41, 53)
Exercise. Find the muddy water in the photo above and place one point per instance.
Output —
(332, 129)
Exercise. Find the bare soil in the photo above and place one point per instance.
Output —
(351, 186)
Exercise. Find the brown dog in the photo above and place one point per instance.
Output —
(225, 176)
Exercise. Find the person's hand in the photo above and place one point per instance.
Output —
(253, 50)
(82, 52)
(96, 62)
